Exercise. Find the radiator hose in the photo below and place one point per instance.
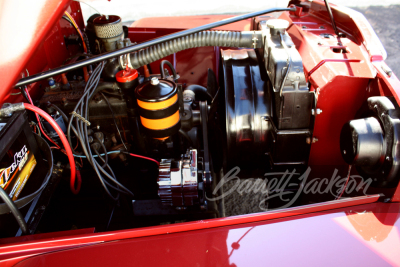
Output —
(246, 39)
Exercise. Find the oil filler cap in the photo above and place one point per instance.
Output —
(277, 26)
(127, 75)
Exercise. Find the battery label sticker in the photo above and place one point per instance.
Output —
(14, 177)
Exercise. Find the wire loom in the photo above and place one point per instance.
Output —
(103, 171)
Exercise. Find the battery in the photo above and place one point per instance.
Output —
(19, 156)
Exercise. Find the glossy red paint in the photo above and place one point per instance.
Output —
(344, 60)
(31, 24)
(340, 80)
(365, 235)
(15, 252)
(388, 85)
(362, 235)
(49, 52)
(187, 22)
(37, 237)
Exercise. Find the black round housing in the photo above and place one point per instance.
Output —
(362, 142)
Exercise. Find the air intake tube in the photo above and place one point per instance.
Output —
(249, 39)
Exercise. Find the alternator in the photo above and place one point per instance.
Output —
(178, 181)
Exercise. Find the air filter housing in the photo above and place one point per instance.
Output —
(109, 30)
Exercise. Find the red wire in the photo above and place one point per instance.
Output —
(143, 157)
(38, 119)
(64, 141)
(77, 144)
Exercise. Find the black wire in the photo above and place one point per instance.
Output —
(170, 66)
(75, 56)
(105, 160)
(115, 121)
(73, 26)
(88, 87)
(331, 17)
(65, 118)
(112, 94)
(111, 215)
(23, 92)
(15, 211)
(104, 173)
(149, 68)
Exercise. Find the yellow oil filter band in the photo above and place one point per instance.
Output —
(160, 124)
(158, 105)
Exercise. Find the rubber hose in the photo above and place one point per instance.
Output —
(170, 66)
(200, 39)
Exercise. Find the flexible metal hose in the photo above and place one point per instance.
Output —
(137, 47)
(249, 39)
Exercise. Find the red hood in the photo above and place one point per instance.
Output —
(23, 27)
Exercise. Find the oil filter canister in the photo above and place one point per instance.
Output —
(159, 108)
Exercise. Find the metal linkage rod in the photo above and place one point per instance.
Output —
(328, 7)
(133, 48)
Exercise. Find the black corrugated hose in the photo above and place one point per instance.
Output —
(249, 39)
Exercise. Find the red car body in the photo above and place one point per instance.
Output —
(353, 231)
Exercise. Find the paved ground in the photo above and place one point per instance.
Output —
(386, 21)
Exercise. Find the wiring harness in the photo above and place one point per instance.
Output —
(79, 124)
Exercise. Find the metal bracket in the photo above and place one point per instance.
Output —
(207, 178)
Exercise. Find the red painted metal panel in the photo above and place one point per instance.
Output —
(187, 22)
(366, 235)
(50, 53)
(341, 88)
(30, 21)
(8, 252)
(340, 80)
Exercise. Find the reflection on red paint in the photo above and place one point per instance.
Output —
(377, 230)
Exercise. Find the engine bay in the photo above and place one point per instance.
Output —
(162, 134)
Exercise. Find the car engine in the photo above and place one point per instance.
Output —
(156, 119)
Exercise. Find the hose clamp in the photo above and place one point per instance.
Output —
(124, 61)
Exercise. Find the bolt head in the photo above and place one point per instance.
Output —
(154, 81)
